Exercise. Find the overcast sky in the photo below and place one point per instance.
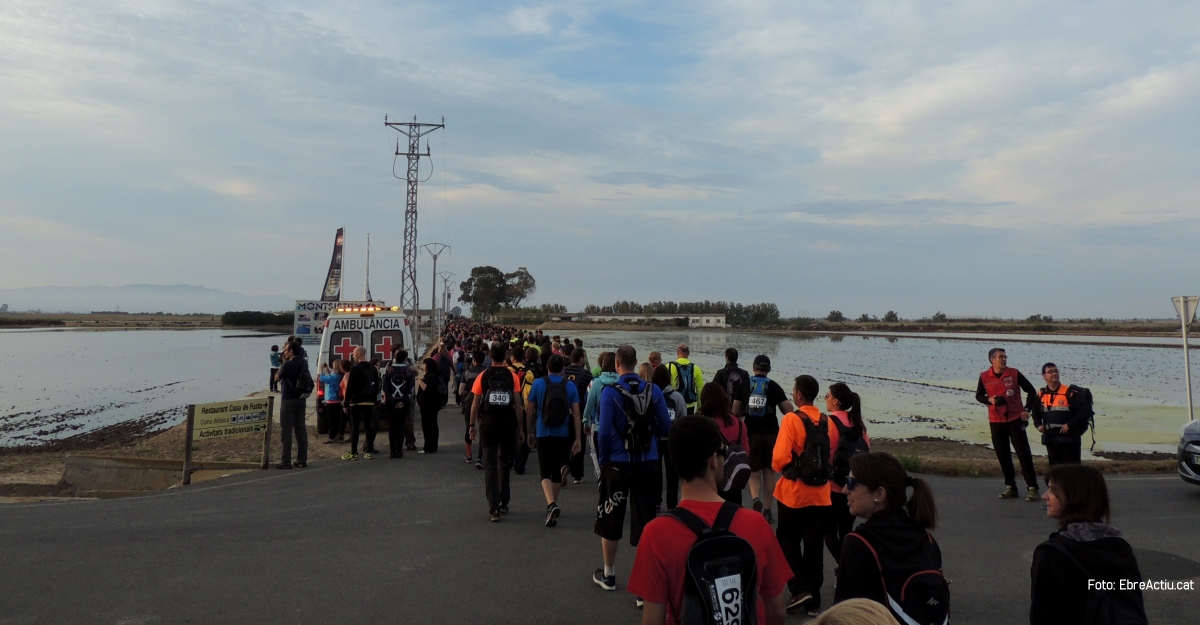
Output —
(1002, 158)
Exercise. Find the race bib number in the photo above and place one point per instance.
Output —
(729, 598)
(499, 398)
(758, 401)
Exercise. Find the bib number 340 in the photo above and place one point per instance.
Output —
(729, 599)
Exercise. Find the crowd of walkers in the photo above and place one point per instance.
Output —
(677, 453)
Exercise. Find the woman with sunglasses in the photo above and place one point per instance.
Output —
(893, 549)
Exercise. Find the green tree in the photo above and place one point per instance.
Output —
(891, 317)
(835, 316)
(519, 285)
(485, 291)
(939, 317)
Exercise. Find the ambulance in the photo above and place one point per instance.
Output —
(377, 328)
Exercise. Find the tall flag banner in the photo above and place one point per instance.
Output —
(333, 281)
(368, 277)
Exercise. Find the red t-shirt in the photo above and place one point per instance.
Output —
(660, 568)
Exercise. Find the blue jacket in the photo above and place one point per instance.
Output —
(333, 387)
(611, 447)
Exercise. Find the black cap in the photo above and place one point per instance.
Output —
(762, 363)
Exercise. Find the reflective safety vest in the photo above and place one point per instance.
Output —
(1004, 385)
(1055, 410)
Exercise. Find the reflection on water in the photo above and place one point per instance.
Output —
(59, 384)
(919, 386)
(62, 383)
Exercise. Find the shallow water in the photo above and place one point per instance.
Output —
(926, 386)
(64, 383)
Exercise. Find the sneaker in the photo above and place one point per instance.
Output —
(479, 464)
(368, 455)
(552, 512)
(396, 455)
(411, 447)
(470, 459)
(494, 516)
(283, 465)
(300, 465)
(421, 451)
(607, 582)
(330, 441)
(503, 508)
(350, 457)
(1033, 495)
(769, 515)
(562, 475)
(803, 598)
(639, 602)
(1009, 493)
(578, 480)
(758, 507)
(341, 440)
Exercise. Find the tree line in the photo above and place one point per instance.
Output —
(764, 313)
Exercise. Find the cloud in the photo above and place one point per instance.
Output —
(531, 20)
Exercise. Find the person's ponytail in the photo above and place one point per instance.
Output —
(920, 506)
(855, 413)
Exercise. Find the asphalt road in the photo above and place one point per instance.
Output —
(408, 540)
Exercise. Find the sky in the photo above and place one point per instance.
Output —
(975, 158)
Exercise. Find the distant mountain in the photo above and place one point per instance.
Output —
(135, 298)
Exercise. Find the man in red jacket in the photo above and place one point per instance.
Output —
(1000, 389)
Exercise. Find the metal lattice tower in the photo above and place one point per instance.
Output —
(413, 131)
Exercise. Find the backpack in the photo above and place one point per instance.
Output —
(850, 444)
(580, 377)
(304, 383)
(737, 467)
(812, 465)
(398, 386)
(733, 381)
(1104, 608)
(756, 406)
(497, 399)
(368, 393)
(687, 382)
(917, 592)
(639, 413)
(556, 403)
(722, 572)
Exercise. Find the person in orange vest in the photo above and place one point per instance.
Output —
(1062, 417)
(1000, 389)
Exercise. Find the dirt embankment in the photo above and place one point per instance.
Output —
(939, 456)
(111, 321)
(1088, 328)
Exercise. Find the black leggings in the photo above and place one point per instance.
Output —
(840, 524)
(429, 425)
(336, 419)
(362, 415)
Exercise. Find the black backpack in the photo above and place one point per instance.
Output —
(556, 403)
(1105, 607)
(687, 382)
(722, 572)
(850, 444)
(733, 382)
(812, 465)
(737, 466)
(639, 413)
(398, 386)
(497, 387)
(917, 592)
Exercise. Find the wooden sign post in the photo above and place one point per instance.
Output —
(227, 418)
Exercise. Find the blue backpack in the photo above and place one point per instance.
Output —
(687, 382)
(756, 406)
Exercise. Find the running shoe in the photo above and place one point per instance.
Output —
(758, 507)
(479, 464)
(368, 455)
(283, 465)
(552, 512)
(803, 599)
(411, 447)
(639, 602)
(421, 451)
(1033, 495)
(470, 459)
(1009, 493)
(300, 465)
(350, 457)
(607, 582)
(562, 475)
(769, 515)
(503, 508)
(578, 480)
(494, 516)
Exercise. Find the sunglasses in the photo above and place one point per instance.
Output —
(851, 483)
(723, 451)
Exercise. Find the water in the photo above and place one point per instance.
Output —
(926, 386)
(64, 383)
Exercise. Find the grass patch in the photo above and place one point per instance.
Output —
(911, 463)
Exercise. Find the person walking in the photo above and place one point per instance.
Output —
(714, 404)
(892, 558)
(471, 370)
(736, 382)
(766, 401)
(686, 377)
(331, 377)
(295, 385)
(496, 402)
(604, 375)
(399, 386)
(628, 454)
(362, 393)
(660, 567)
(553, 404)
(276, 361)
(431, 396)
(516, 364)
(845, 410)
(1061, 415)
(676, 408)
(1000, 389)
(1084, 549)
(578, 374)
(803, 456)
